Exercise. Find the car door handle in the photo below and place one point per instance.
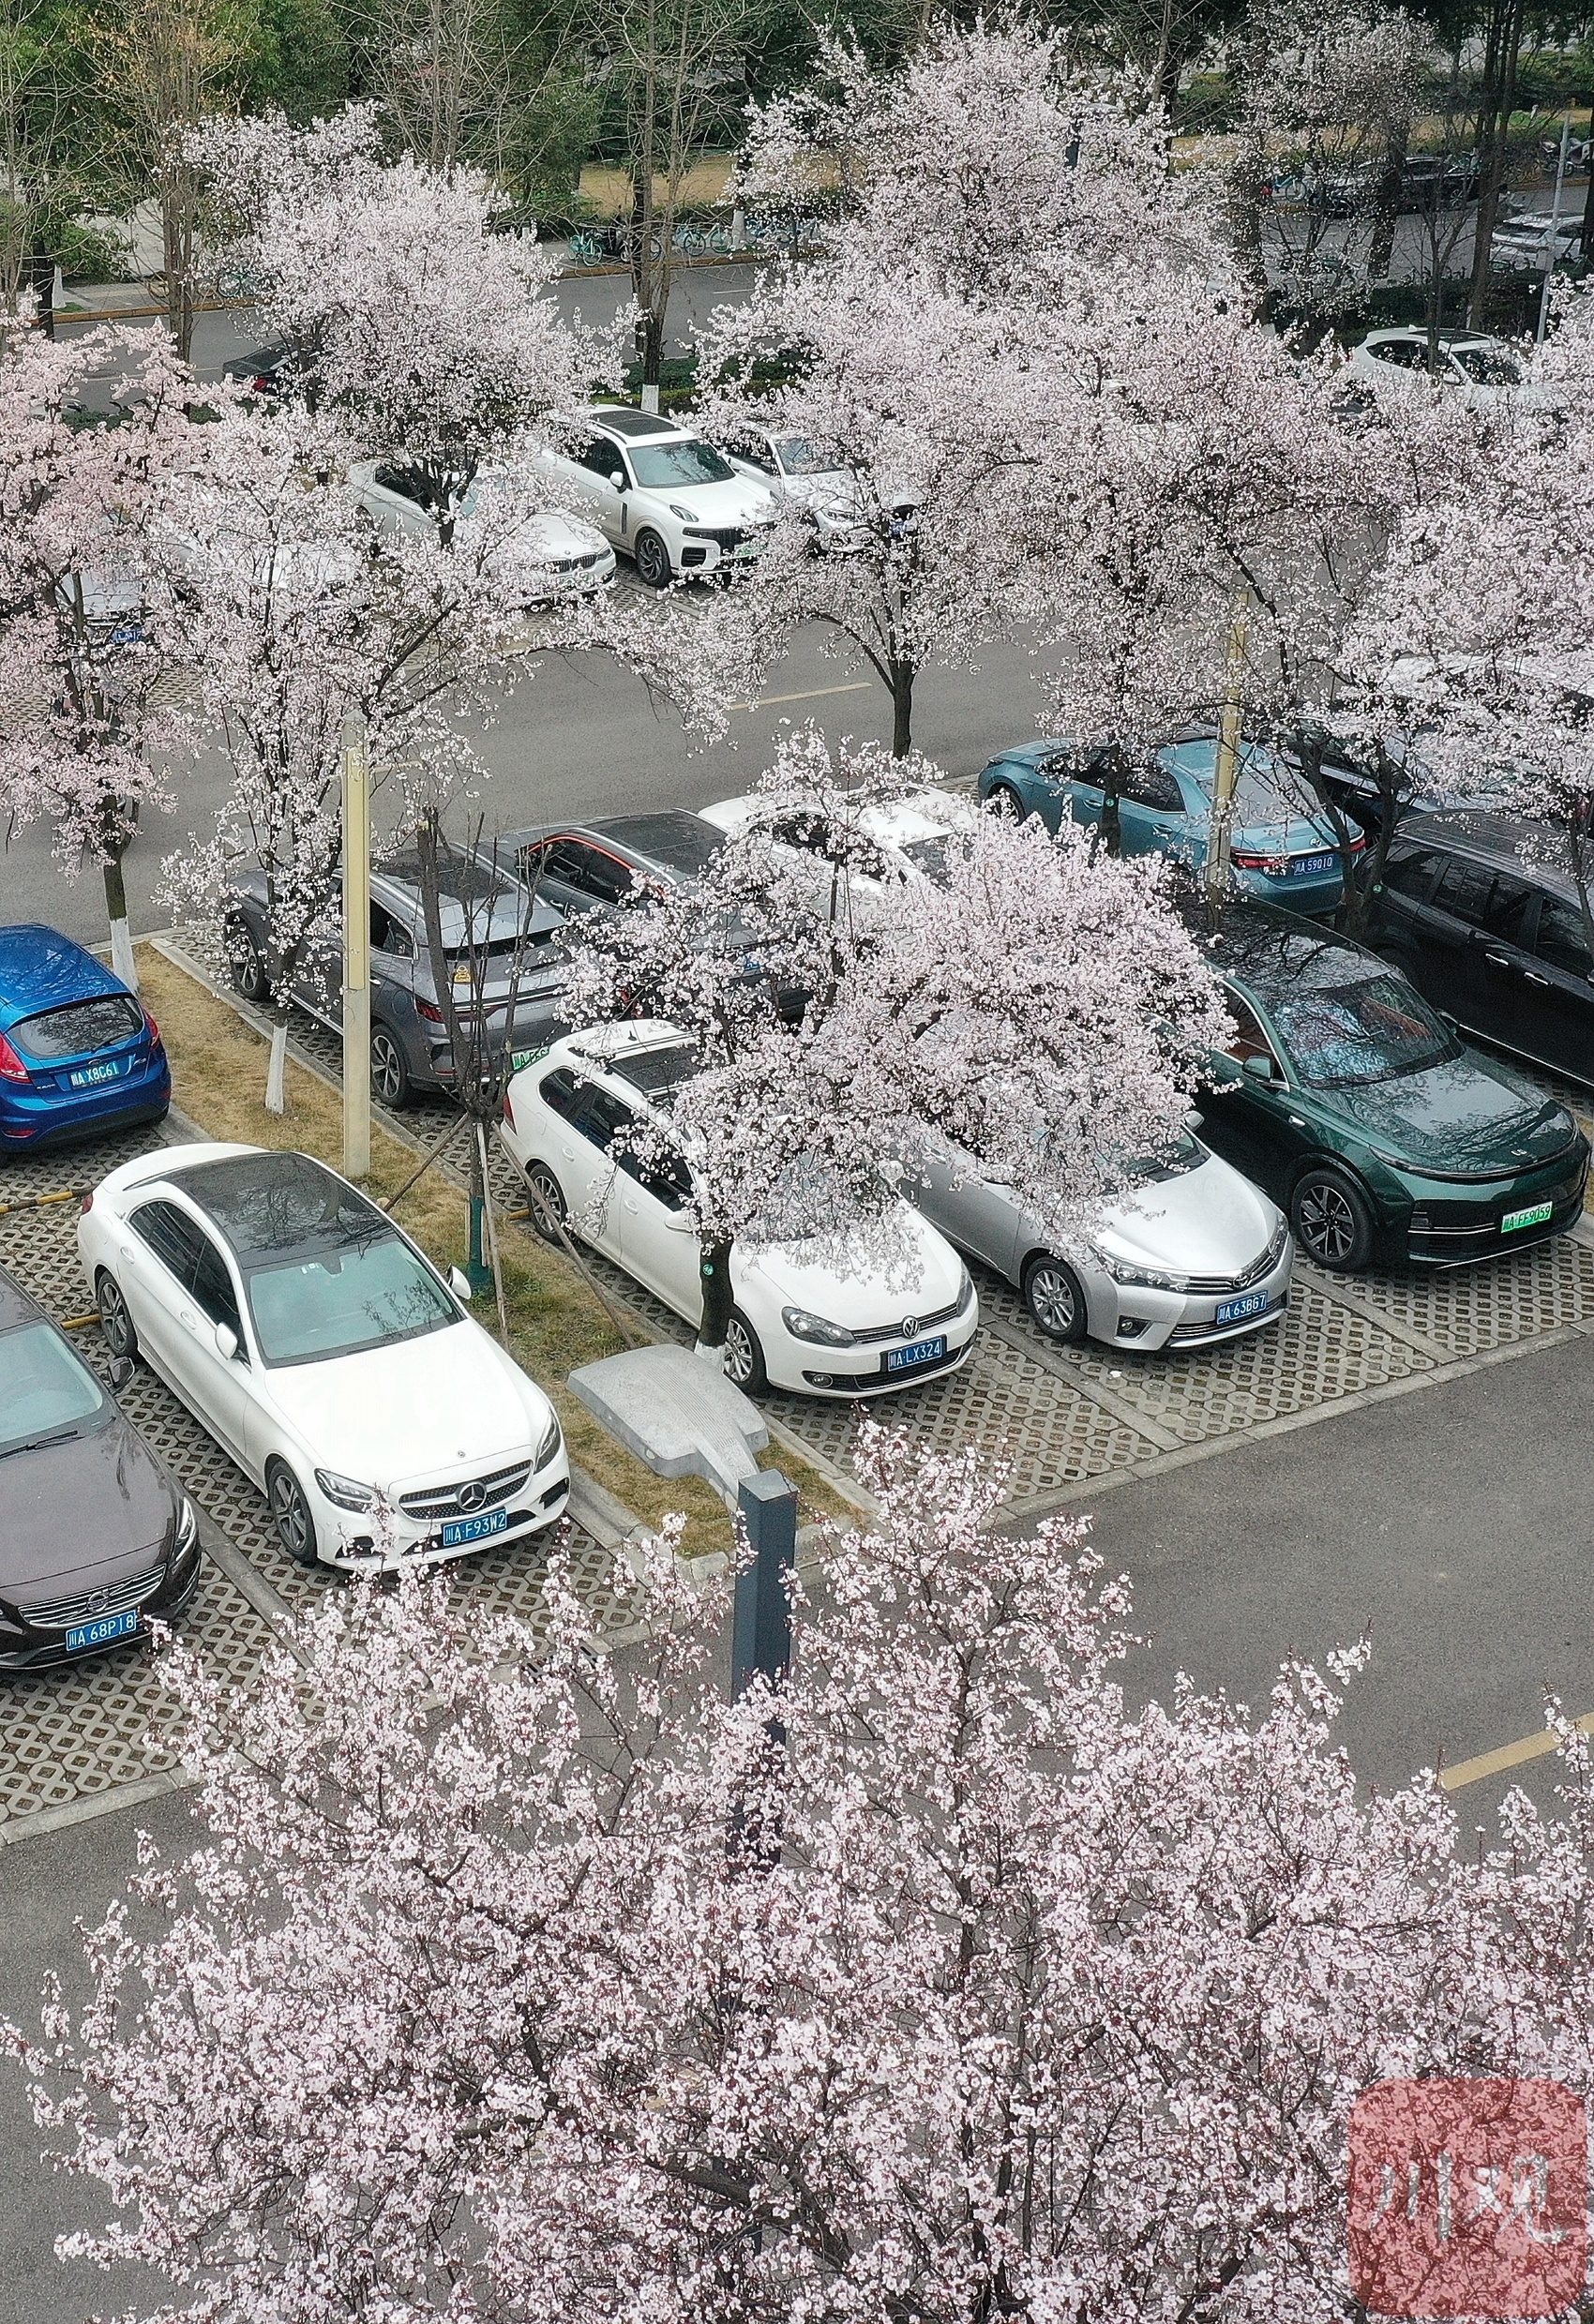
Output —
(1297, 1121)
(632, 1209)
(1529, 977)
(1497, 960)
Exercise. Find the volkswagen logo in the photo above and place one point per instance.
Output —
(909, 1326)
(471, 1496)
(98, 1601)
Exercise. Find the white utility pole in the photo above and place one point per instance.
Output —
(356, 950)
(1551, 253)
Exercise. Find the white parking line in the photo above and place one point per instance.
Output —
(810, 694)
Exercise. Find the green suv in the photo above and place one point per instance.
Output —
(1386, 1138)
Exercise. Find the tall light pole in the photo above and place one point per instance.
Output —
(356, 950)
(1551, 253)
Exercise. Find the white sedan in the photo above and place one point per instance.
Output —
(325, 1352)
(798, 1323)
(1483, 371)
(548, 556)
(906, 840)
(1194, 1256)
(808, 474)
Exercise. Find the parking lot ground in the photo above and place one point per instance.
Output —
(72, 1738)
(1453, 1523)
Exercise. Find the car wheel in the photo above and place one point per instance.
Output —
(389, 1071)
(653, 561)
(246, 965)
(743, 1357)
(291, 1516)
(1332, 1223)
(1001, 798)
(547, 1198)
(1054, 1298)
(114, 1320)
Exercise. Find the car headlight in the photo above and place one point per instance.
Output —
(1142, 1278)
(550, 1444)
(344, 1491)
(686, 515)
(801, 1325)
(965, 1289)
(1277, 1246)
(187, 1531)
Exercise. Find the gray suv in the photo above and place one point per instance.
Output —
(501, 944)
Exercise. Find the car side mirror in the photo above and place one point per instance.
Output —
(122, 1371)
(226, 1343)
(617, 478)
(1262, 1069)
(460, 1283)
(1194, 1119)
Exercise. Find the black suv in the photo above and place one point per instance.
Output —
(1478, 911)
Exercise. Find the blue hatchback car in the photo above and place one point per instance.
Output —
(1279, 855)
(78, 1057)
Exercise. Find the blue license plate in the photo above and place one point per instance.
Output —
(86, 1634)
(921, 1352)
(459, 1530)
(88, 1076)
(1235, 1310)
(1311, 866)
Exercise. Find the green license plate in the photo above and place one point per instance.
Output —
(520, 1059)
(1535, 1215)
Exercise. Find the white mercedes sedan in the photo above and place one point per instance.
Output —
(801, 1321)
(325, 1352)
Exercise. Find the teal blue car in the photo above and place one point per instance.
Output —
(1279, 855)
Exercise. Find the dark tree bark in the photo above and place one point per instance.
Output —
(1504, 48)
(714, 1270)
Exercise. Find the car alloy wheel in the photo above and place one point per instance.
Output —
(246, 968)
(653, 561)
(1056, 1301)
(114, 1320)
(546, 1200)
(743, 1357)
(290, 1515)
(1331, 1222)
(389, 1074)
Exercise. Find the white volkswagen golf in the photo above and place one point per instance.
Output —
(798, 1323)
(323, 1351)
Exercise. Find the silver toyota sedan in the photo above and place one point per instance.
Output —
(1195, 1254)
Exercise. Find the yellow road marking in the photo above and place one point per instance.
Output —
(1509, 1755)
(812, 693)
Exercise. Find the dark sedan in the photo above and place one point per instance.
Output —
(580, 867)
(96, 1539)
(1385, 1138)
(1494, 936)
(78, 1057)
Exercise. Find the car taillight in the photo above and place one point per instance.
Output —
(509, 1110)
(11, 1065)
(87, 1202)
(429, 1009)
(1357, 846)
(1245, 861)
(152, 1029)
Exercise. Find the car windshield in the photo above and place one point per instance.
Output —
(928, 855)
(1344, 1035)
(44, 1390)
(808, 455)
(368, 1295)
(673, 466)
(1182, 1153)
(1488, 365)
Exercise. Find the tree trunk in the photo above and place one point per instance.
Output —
(276, 1067)
(122, 961)
(1386, 203)
(902, 674)
(1504, 42)
(714, 1270)
(653, 358)
(1586, 246)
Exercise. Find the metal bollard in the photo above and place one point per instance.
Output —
(761, 1627)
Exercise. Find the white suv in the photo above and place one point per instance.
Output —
(664, 497)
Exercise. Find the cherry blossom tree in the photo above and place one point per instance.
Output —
(407, 311)
(87, 651)
(475, 1997)
(1010, 178)
(1479, 633)
(1042, 1013)
(928, 420)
